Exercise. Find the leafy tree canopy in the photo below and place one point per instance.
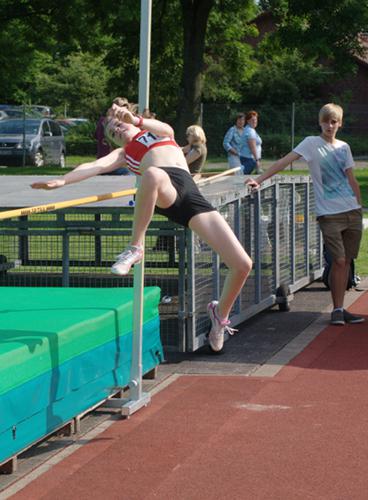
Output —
(82, 53)
(325, 30)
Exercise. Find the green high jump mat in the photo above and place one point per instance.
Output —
(62, 350)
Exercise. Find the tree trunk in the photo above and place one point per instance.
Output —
(195, 19)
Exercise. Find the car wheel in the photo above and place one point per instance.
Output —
(39, 159)
(62, 160)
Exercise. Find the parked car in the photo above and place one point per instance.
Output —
(4, 106)
(10, 113)
(45, 111)
(42, 141)
(18, 112)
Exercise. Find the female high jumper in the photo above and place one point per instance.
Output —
(147, 147)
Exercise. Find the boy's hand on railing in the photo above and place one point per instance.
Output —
(52, 184)
(253, 184)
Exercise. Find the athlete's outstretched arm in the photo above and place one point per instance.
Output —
(107, 163)
(274, 168)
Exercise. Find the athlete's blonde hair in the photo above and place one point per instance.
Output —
(197, 133)
(330, 111)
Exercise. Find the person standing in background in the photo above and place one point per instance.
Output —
(195, 151)
(251, 145)
(338, 202)
(233, 139)
(103, 147)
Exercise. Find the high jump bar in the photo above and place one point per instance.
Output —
(19, 212)
(204, 182)
(50, 207)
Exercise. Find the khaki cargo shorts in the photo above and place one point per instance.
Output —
(342, 233)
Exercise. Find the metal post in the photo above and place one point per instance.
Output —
(292, 129)
(276, 200)
(145, 54)
(182, 305)
(192, 340)
(66, 260)
(237, 231)
(138, 399)
(306, 229)
(257, 249)
(24, 137)
(292, 247)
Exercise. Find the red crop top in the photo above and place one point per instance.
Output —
(140, 144)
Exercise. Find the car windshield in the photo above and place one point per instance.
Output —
(15, 127)
(14, 113)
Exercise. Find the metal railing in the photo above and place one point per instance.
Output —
(76, 247)
(278, 229)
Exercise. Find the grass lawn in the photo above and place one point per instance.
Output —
(361, 175)
(361, 263)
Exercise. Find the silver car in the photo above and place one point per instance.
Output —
(41, 141)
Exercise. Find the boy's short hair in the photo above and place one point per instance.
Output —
(330, 111)
(198, 134)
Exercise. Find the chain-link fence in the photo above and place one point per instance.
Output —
(282, 127)
(76, 247)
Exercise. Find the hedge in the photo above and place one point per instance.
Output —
(81, 147)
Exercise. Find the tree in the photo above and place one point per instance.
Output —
(36, 31)
(325, 30)
(79, 85)
(196, 16)
(283, 75)
(229, 61)
(195, 19)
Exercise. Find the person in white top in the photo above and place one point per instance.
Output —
(337, 198)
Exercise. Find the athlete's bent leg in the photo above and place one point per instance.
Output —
(212, 228)
(215, 231)
(155, 188)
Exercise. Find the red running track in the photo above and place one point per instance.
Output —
(300, 435)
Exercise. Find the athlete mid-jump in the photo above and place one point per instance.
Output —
(147, 147)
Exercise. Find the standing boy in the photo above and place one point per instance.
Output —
(337, 198)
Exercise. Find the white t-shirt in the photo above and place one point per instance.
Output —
(327, 165)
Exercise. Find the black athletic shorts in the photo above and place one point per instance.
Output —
(189, 201)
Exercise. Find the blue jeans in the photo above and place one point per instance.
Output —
(248, 165)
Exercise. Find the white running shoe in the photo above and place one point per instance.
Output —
(131, 255)
(218, 327)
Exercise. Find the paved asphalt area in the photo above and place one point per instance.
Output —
(262, 346)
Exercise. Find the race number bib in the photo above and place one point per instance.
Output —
(148, 139)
